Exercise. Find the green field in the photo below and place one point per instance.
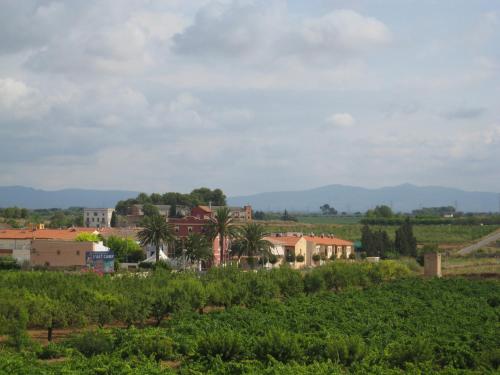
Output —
(425, 234)
(318, 219)
(346, 318)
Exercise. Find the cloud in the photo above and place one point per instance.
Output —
(345, 30)
(266, 31)
(464, 113)
(344, 120)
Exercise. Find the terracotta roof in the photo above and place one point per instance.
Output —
(52, 234)
(205, 208)
(328, 241)
(286, 241)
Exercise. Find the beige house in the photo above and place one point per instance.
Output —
(289, 247)
(326, 247)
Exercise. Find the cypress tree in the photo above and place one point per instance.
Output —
(113, 222)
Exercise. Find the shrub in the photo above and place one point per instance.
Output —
(9, 263)
(409, 350)
(290, 257)
(280, 345)
(51, 351)
(227, 345)
(261, 287)
(156, 346)
(299, 258)
(273, 259)
(314, 282)
(289, 281)
(316, 257)
(93, 342)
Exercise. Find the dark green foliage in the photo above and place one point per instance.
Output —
(376, 243)
(92, 343)
(226, 344)
(366, 318)
(51, 351)
(201, 196)
(405, 242)
(9, 263)
(114, 220)
(14, 213)
(313, 282)
(287, 217)
(409, 350)
(278, 344)
(125, 249)
(380, 211)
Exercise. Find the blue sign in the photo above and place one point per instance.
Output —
(100, 261)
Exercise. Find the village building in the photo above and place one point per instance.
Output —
(97, 217)
(47, 247)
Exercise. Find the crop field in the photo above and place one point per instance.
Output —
(343, 318)
(320, 219)
(425, 234)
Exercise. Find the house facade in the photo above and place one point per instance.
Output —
(18, 243)
(239, 214)
(97, 217)
(299, 250)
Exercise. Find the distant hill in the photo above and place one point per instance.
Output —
(403, 198)
(34, 198)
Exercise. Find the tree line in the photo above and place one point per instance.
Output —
(200, 196)
(377, 243)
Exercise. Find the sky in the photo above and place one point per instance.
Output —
(249, 96)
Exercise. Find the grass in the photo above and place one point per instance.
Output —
(318, 219)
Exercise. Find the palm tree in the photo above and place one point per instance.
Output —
(156, 232)
(198, 248)
(222, 225)
(251, 241)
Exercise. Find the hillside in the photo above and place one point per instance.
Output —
(35, 198)
(404, 198)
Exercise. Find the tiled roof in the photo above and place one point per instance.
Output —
(286, 241)
(52, 234)
(328, 241)
(205, 208)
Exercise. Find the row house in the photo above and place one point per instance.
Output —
(300, 250)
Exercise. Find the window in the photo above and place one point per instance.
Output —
(58, 252)
(190, 229)
(95, 213)
(176, 229)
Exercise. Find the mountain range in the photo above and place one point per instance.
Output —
(402, 198)
(27, 197)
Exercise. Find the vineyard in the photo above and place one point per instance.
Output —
(341, 318)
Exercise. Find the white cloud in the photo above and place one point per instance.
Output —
(344, 29)
(344, 120)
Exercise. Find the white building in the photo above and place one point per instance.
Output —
(97, 217)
